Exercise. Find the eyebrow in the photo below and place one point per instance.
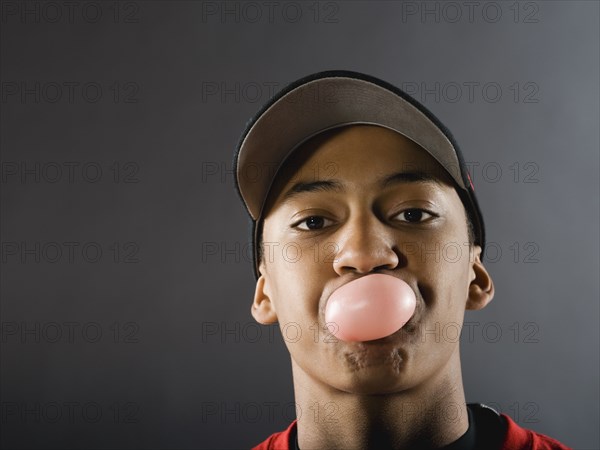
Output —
(337, 186)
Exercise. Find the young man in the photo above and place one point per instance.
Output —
(345, 176)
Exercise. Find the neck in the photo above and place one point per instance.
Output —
(431, 415)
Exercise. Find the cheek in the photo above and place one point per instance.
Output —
(441, 266)
(293, 284)
(446, 250)
(455, 256)
(293, 259)
(450, 294)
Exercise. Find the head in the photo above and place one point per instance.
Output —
(357, 200)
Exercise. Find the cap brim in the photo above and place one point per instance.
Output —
(322, 104)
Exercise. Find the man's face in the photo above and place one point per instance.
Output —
(343, 222)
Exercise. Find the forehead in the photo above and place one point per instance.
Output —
(360, 157)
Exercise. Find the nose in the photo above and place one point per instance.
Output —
(365, 245)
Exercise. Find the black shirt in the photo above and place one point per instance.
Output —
(486, 430)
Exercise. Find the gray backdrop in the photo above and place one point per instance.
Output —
(126, 279)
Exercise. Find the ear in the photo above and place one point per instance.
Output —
(263, 309)
(481, 287)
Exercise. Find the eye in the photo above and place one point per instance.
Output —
(312, 223)
(414, 215)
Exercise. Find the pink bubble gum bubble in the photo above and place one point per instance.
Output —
(370, 307)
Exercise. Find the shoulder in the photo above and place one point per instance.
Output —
(279, 440)
(499, 431)
(517, 438)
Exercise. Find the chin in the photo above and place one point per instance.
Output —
(372, 373)
(375, 382)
